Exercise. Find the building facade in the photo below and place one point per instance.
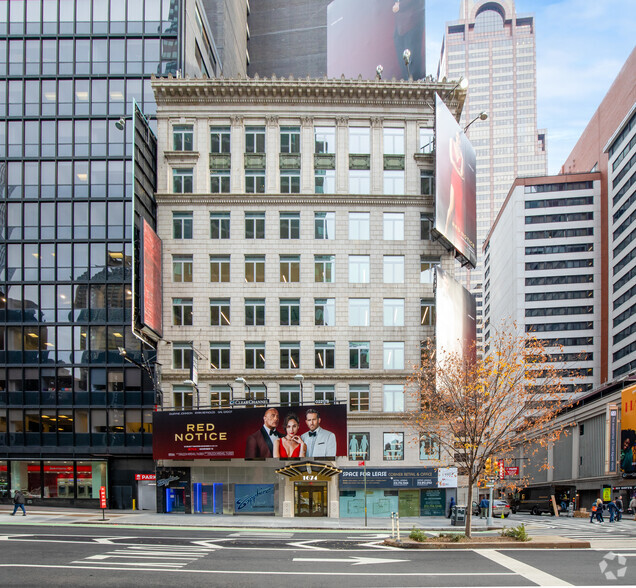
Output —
(298, 267)
(494, 48)
(73, 415)
(542, 263)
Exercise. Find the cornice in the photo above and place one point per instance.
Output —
(295, 199)
(286, 91)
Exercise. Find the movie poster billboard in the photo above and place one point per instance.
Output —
(628, 432)
(455, 184)
(251, 433)
(362, 34)
(456, 326)
(151, 296)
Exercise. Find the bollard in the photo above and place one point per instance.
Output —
(397, 524)
(392, 526)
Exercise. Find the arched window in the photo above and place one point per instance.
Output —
(488, 20)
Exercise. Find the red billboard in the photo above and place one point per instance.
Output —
(151, 305)
(251, 433)
(455, 184)
(456, 327)
(362, 34)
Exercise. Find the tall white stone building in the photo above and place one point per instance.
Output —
(297, 258)
(493, 47)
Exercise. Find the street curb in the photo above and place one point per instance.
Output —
(553, 543)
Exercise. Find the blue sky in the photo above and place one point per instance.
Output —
(581, 47)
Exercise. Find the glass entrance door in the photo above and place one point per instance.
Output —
(311, 500)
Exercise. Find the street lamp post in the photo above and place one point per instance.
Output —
(151, 370)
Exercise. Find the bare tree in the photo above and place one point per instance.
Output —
(483, 408)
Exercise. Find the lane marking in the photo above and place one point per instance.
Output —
(307, 545)
(355, 560)
(264, 572)
(528, 572)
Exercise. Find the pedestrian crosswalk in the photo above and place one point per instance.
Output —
(148, 556)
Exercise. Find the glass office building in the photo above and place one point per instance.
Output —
(73, 415)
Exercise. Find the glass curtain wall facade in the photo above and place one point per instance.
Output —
(494, 48)
(69, 69)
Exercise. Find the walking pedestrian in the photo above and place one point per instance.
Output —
(18, 502)
(599, 510)
(632, 506)
(483, 508)
(613, 510)
(592, 512)
(451, 505)
(619, 506)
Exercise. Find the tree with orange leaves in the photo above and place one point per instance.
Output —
(483, 408)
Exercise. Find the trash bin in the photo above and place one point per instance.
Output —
(458, 515)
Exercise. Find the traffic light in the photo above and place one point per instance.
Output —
(488, 466)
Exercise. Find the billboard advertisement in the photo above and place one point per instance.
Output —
(455, 184)
(151, 305)
(628, 432)
(456, 326)
(251, 433)
(362, 34)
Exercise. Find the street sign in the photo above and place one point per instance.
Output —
(360, 463)
(102, 500)
(501, 469)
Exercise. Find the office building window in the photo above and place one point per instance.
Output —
(427, 183)
(359, 269)
(289, 312)
(394, 226)
(254, 225)
(289, 394)
(290, 139)
(359, 223)
(359, 140)
(219, 268)
(254, 312)
(290, 268)
(255, 139)
(289, 182)
(219, 225)
(220, 356)
(182, 180)
(359, 181)
(428, 315)
(219, 182)
(358, 446)
(427, 140)
(219, 397)
(427, 269)
(182, 311)
(324, 181)
(393, 398)
(324, 394)
(393, 141)
(324, 225)
(182, 268)
(426, 228)
(393, 446)
(324, 355)
(393, 182)
(289, 225)
(255, 356)
(182, 397)
(325, 268)
(359, 355)
(394, 355)
(181, 355)
(358, 398)
(325, 139)
(254, 182)
(393, 312)
(182, 225)
(289, 355)
(359, 312)
(325, 312)
(219, 312)
(182, 137)
(254, 268)
(393, 269)
(219, 139)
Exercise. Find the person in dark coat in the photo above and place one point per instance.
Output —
(18, 502)
(261, 443)
(451, 505)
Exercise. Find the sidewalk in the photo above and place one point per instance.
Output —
(61, 516)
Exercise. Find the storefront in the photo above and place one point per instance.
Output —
(67, 482)
(411, 492)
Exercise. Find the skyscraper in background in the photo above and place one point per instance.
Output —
(494, 49)
(73, 415)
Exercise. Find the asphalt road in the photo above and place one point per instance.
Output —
(83, 556)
